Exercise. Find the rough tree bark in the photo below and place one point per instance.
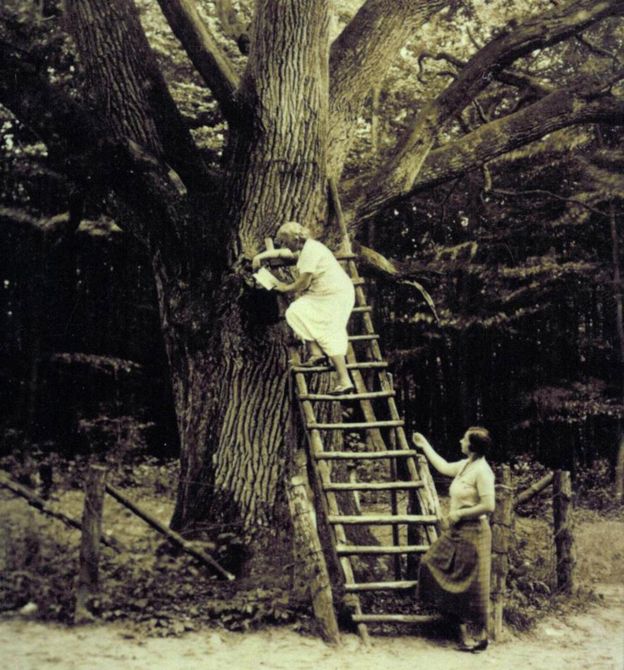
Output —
(228, 364)
(359, 57)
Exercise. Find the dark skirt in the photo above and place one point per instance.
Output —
(454, 574)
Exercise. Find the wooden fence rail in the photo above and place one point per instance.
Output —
(176, 538)
(533, 490)
(47, 508)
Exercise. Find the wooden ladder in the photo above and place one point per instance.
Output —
(398, 472)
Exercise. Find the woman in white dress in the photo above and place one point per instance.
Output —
(320, 315)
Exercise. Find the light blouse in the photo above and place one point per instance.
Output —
(474, 480)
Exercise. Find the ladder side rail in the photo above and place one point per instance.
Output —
(418, 470)
(329, 502)
(394, 506)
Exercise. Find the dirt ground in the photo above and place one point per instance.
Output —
(593, 640)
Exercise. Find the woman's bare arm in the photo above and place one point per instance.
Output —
(302, 282)
(284, 253)
(439, 463)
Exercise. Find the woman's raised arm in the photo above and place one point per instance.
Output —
(439, 463)
(285, 253)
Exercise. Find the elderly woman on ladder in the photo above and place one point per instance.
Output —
(320, 315)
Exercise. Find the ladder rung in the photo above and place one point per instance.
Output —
(348, 396)
(363, 338)
(380, 586)
(358, 282)
(396, 618)
(358, 425)
(346, 549)
(371, 486)
(362, 309)
(362, 455)
(367, 365)
(381, 519)
(364, 365)
(346, 257)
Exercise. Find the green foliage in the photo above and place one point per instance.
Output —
(149, 585)
(525, 471)
(594, 488)
(37, 562)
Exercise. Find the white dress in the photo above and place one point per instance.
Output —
(322, 312)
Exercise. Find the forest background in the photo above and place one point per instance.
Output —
(519, 254)
(520, 258)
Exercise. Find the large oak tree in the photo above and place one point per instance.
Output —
(292, 107)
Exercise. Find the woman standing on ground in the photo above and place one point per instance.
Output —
(320, 315)
(454, 574)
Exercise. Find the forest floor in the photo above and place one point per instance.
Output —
(162, 612)
(591, 639)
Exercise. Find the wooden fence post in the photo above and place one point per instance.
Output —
(88, 577)
(619, 472)
(563, 530)
(502, 526)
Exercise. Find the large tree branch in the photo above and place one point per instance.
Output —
(72, 136)
(520, 80)
(401, 274)
(585, 102)
(125, 80)
(203, 50)
(359, 58)
(79, 147)
(400, 174)
(51, 226)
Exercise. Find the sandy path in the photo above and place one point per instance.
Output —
(592, 640)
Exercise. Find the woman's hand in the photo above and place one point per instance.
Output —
(419, 440)
(256, 262)
(280, 287)
(454, 518)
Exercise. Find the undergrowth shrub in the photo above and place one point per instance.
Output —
(594, 487)
(36, 563)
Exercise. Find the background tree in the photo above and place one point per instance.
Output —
(201, 187)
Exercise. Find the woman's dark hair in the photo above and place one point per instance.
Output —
(480, 440)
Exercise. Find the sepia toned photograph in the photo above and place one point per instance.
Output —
(311, 334)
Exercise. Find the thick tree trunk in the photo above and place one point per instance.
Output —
(230, 390)
(228, 359)
(232, 410)
(277, 161)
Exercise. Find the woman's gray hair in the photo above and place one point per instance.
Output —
(293, 229)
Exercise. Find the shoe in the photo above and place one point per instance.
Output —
(474, 647)
(342, 389)
(313, 361)
(480, 646)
